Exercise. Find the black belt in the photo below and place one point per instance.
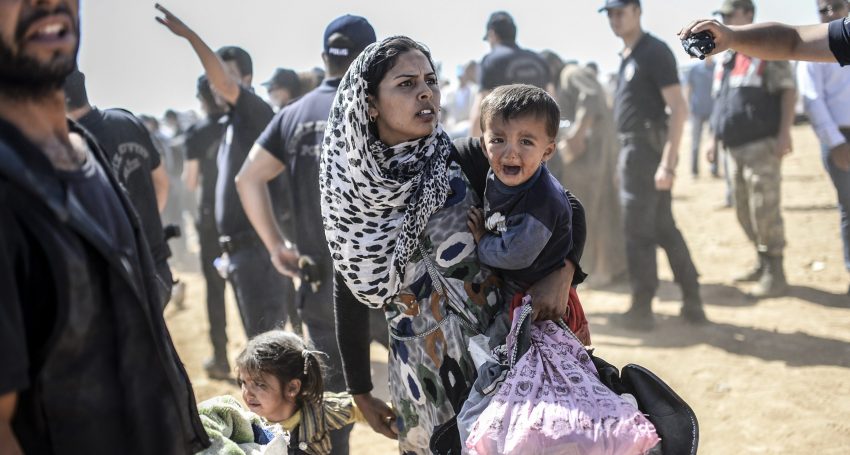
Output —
(655, 137)
(243, 240)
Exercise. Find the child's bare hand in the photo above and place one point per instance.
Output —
(475, 221)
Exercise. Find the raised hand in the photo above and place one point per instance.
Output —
(172, 22)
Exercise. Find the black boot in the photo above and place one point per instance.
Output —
(772, 282)
(692, 311)
(755, 273)
(639, 317)
(217, 367)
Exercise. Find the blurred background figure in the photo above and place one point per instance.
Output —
(283, 87)
(826, 92)
(203, 140)
(506, 63)
(698, 82)
(458, 101)
(172, 214)
(587, 164)
(310, 79)
(556, 65)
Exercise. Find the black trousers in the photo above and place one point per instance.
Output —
(210, 250)
(648, 223)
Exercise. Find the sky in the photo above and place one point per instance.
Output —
(131, 61)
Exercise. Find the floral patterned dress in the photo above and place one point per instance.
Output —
(430, 323)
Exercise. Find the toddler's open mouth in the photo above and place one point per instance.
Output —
(511, 170)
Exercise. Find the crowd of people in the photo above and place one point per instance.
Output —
(363, 204)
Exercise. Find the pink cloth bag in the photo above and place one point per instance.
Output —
(552, 402)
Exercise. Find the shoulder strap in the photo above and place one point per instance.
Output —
(469, 154)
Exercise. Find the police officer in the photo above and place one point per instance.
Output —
(648, 84)
(260, 290)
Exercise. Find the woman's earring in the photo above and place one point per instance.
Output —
(371, 119)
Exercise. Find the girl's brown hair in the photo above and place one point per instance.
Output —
(285, 356)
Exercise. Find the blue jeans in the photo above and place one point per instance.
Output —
(648, 223)
(698, 124)
(841, 180)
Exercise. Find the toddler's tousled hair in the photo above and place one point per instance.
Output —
(519, 100)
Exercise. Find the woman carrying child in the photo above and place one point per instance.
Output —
(395, 198)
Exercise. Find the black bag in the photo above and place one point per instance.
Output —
(675, 421)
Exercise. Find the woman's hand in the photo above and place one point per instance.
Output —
(475, 221)
(550, 296)
(380, 417)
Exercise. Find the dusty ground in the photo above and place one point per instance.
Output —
(765, 377)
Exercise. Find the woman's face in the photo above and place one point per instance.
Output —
(408, 101)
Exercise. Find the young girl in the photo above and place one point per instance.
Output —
(281, 381)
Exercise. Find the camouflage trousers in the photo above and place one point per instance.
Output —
(756, 173)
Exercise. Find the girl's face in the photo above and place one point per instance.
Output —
(264, 396)
(408, 101)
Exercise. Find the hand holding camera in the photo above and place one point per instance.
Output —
(699, 45)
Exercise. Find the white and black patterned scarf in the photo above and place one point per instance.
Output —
(376, 199)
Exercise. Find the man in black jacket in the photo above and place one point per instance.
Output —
(87, 362)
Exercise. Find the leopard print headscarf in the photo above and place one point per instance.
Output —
(376, 199)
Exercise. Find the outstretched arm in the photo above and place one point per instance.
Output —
(768, 41)
(220, 80)
(252, 184)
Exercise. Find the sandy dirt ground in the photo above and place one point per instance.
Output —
(764, 377)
